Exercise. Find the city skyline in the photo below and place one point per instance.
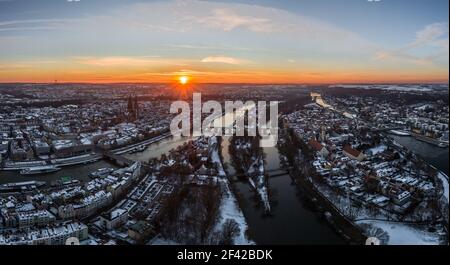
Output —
(224, 42)
(224, 123)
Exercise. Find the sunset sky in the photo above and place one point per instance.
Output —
(298, 41)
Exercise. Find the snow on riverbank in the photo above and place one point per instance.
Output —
(215, 157)
(258, 181)
(262, 191)
(229, 207)
(404, 234)
(444, 179)
(399, 133)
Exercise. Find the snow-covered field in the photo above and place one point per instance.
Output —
(404, 234)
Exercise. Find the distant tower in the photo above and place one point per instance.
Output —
(130, 104)
(130, 108)
(323, 136)
(136, 108)
(133, 108)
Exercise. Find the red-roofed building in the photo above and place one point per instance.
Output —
(353, 153)
(318, 147)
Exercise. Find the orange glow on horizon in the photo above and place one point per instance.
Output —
(187, 79)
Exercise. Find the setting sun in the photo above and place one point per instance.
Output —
(183, 80)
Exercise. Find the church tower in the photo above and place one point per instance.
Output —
(133, 108)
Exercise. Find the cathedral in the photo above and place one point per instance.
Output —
(133, 108)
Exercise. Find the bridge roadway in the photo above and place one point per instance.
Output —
(121, 160)
(272, 173)
(386, 129)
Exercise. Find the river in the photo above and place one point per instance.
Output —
(157, 149)
(436, 156)
(291, 221)
(80, 172)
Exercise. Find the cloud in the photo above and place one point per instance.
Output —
(35, 24)
(432, 42)
(431, 34)
(222, 59)
(26, 28)
(31, 64)
(296, 31)
(122, 61)
(403, 56)
(32, 21)
(210, 23)
(214, 31)
(209, 47)
(227, 20)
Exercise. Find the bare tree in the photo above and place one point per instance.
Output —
(230, 230)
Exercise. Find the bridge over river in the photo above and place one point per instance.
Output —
(272, 173)
(387, 129)
(121, 160)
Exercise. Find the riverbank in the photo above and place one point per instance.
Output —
(430, 140)
(436, 156)
(143, 143)
(80, 167)
(78, 172)
(293, 219)
(349, 211)
(359, 222)
(229, 207)
(81, 159)
(352, 233)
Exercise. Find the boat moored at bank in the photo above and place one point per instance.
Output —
(39, 170)
(21, 186)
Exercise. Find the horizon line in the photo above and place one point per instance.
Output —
(239, 83)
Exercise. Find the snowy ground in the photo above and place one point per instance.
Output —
(378, 149)
(404, 234)
(215, 157)
(398, 233)
(444, 179)
(408, 88)
(229, 208)
(259, 183)
(345, 205)
(262, 191)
